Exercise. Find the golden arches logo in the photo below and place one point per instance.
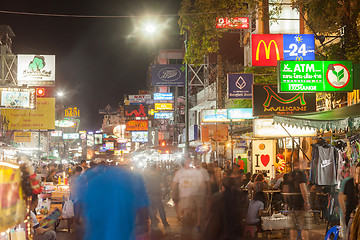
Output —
(299, 58)
(267, 50)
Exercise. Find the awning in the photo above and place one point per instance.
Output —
(340, 118)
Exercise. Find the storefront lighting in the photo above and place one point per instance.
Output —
(6, 164)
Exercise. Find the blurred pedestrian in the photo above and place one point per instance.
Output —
(84, 165)
(74, 192)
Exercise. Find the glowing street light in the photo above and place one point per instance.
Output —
(60, 94)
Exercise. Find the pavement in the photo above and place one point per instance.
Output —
(174, 232)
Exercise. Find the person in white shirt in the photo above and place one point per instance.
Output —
(40, 233)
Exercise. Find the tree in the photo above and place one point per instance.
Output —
(329, 17)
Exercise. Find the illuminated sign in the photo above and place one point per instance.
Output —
(18, 98)
(71, 136)
(36, 70)
(64, 123)
(82, 135)
(132, 111)
(22, 137)
(163, 106)
(315, 76)
(263, 156)
(163, 96)
(137, 125)
(168, 74)
(56, 133)
(240, 113)
(267, 101)
(214, 132)
(232, 22)
(240, 85)
(163, 115)
(267, 49)
(266, 128)
(40, 92)
(214, 115)
(98, 138)
(72, 112)
(139, 98)
(139, 136)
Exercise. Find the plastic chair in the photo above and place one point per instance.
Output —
(250, 229)
(333, 230)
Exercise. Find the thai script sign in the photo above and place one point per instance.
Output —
(132, 111)
(267, 101)
(22, 137)
(36, 70)
(163, 96)
(267, 49)
(163, 115)
(240, 85)
(137, 125)
(163, 106)
(232, 22)
(168, 74)
(315, 76)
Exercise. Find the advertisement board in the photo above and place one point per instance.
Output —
(265, 128)
(163, 106)
(71, 136)
(267, 49)
(214, 115)
(72, 112)
(239, 113)
(232, 22)
(137, 125)
(163, 115)
(56, 133)
(98, 138)
(22, 137)
(137, 99)
(139, 136)
(133, 111)
(153, 137)
(263, 157)
(163, 96)
(315, 76)
(214, 132)
(240, 85)
(41, 118)
(267, 101)
(36, 70)
(18, 98)
(168, 74)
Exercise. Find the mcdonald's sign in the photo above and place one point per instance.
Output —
(267, 49)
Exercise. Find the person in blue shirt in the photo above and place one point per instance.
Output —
(113, 199)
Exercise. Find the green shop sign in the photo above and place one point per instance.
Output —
(315, 76)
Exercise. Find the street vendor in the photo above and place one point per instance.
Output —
(39, 232)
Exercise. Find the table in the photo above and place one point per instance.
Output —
(274, 223)
(270, 194)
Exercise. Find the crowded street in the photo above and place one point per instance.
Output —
(180, 120)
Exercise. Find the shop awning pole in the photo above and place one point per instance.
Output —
(295, 142)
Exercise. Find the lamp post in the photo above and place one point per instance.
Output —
(186, 100)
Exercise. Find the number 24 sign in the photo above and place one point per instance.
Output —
(299, 46)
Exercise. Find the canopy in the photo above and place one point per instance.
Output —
(341, 118)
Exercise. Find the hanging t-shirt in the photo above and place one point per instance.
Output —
(326, 165)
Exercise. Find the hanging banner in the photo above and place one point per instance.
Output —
(240, 85)
(36, 70)
(137, 125)
(41, 118)
(263, 157)
(133, 111)
(214, 132)
(267, 101)
(232, 22)
(315, 76)
(12, 203)
(168, 74)
(267, 49)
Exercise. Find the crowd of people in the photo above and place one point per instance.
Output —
(210, 202)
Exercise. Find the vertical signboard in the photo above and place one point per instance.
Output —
(240, 85)
(263, 157)
(153, 137)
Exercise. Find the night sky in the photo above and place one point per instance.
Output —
(98, 60)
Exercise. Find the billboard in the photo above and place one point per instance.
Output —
(71, 136)
(137, 99)
(163, 106)
(41, 118)
(163, 115)
(239, 113)
(214, 115)
(267, 101)
(232, 22)
(139, 136)
(263, 157)
(18, 98)
(163, 96)
(240, 85)
(168, 74)
(72, 112)
(267, 49)
(214, 132)
(36, 70)
(22, 137)
(315, 76)
(133, 111)
(137, 125)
